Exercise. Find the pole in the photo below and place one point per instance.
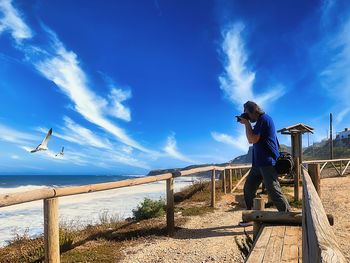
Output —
(213, 188)
(331, 136)
(51, 231)
(170, 206)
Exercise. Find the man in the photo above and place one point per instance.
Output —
(265, 152)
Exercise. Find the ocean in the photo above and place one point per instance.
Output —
(79, 209)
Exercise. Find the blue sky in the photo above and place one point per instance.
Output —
(130, 86)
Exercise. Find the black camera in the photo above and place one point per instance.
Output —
(244, 116)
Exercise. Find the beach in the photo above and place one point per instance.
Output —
(78, 210)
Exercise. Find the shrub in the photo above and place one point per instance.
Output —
(149, 209)
(66, 239)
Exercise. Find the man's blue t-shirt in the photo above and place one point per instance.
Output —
(265, 151)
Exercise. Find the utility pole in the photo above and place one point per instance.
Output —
(331, 136)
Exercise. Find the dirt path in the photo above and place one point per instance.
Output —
(335, 198)
(207, 238)
(210, 238)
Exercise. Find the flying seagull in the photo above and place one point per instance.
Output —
(43, 145)
(61, 153)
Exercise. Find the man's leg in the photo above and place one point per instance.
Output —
(273, 188)
(251, 185)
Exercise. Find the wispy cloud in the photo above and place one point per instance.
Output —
(171, 149)
(11, 21)
(239, 142)
(15, 157)
(340, 116)
(76, 133)
(61, 66)
(237, 81)
(335, 77)
(12, 135)
(116, 98)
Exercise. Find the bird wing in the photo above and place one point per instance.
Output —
(62, 149)
(36, 149)
(44, 143)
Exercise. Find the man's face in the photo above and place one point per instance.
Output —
(253, 117)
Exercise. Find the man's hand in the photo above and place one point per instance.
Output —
(242, 120)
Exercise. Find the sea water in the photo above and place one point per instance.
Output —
(79, 209)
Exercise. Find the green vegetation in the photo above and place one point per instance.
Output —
(149, 209)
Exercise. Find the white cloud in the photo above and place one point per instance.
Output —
(172, 150)
(117, 96)
(11, 135)
(335, 76)
(239, 142)
(340, 116)
(237, 80)
(12, 21)
(64, 70)
(76, 133)
(15, 157)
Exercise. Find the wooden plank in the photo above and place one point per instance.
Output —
(274, 217)
(314, 172)
(257, 253)
(230, 180)
(290, 251)
(274, 247)
(323, 166)
(336, 169)
(345, 168)
(319, 242)
(239, 182)
(27, 196)
(323, 161)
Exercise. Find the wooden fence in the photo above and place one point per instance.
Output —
(319, 243)
(341, 171)
(317, 234)
(50, 199)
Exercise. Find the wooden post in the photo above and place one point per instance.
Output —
(240, 173)
(258, 204)
(230, 180)
(300, 153)
(296, 180)
(213, 188)
(314, 172)
(170, 206)
(330, 136)
(224, 181)
(51, 231)
(341, 167)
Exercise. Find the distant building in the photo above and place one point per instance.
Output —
(344, 134)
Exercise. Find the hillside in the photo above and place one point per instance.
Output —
(319, 151)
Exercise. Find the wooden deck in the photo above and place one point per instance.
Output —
(277, 243)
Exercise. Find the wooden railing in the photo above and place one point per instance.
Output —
(319, 243)
(50, 199)
(341, 171)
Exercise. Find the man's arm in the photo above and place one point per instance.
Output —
(252, 138)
